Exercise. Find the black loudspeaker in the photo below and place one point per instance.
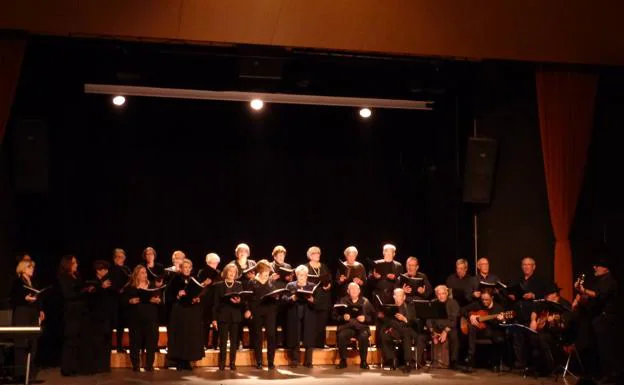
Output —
(29, 146)
(479, 170)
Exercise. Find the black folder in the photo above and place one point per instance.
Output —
(145, 295)
(384, 268)
(343, 308)
(430, 309)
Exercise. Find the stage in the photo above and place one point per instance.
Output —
(300, 376)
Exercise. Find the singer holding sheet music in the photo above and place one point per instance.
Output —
(208, 276)
(228, 313)
(353, 313)
(350, 271)
(320, 274)
(185, 327)
(282, 274)
(245, 272)
(102, 303)
(120, 277)
(462, 286)
(155, 270)
(415, 284)
(301, 317)
(77, 356)
(26, 305)
(397, 328)
(143, 299)
(263, 306)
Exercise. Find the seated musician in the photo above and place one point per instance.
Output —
(422, 292)
(398, 329)
(353, 327)
(551, 319)
(479, 329)
(443, 330)
(350, 271)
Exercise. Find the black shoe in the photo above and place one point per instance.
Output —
(364, 365)
(149, 369)
(308, 365)
(120, 350)
(271, 366)
(293, 364)
(133, 369)
(342, 364)
(259, 365)
(232, 366)
(407, 368)
(221, 367)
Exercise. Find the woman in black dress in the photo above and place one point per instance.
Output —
(26, 312)
(228, 313)
(301, 317)
(319, 273)
(185, 325)
(77, 356)
(143, 300)
(263, 306)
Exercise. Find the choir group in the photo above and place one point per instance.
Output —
(208, 307)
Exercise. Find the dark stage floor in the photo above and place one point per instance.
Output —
(319, 375)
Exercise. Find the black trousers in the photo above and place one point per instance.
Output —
(119, 322)
(269, 323)
(344, 336)
(404, 336)
(225, 329)
(496, 336)
(520, 342)
(143, 334)
(322, 316)
(101, 338)
(543, 349)
(605, 330)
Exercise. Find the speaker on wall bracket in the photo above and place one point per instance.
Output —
(479, 170)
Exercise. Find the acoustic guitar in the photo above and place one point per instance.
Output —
(483, 318)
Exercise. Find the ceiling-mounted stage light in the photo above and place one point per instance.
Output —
(257, 104)
(119, 100)
(365, 113)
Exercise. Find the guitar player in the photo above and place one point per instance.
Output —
(491, 329)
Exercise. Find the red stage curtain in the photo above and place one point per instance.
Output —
(566, 110)
(11, 53)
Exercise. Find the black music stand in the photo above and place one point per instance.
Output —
(28, 332)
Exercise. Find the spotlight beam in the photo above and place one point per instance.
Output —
(243, 96)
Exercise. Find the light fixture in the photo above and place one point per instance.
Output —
(119, 100)
(256, 104)
(365, 113)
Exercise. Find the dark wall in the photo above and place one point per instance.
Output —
(517, 222)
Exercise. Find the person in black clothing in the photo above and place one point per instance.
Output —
(102, 303)
(119, 276)
(602, 298)
(143, 301)
(424, 291)
(551, 327)
(155, 270)
(443, 330)
(532, 288)
(281, 280)
(462, 286)
(301, 318)
(228, 314)
(244, 273)
(491, 332)
(350, 271)
(398, 329)
(77, 356)
(185, 324)
(384, 285)
(356, 326)
(26, 306)
(263, 308)
(208, 276)
(322, 296)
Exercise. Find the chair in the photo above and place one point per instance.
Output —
(570, 351)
